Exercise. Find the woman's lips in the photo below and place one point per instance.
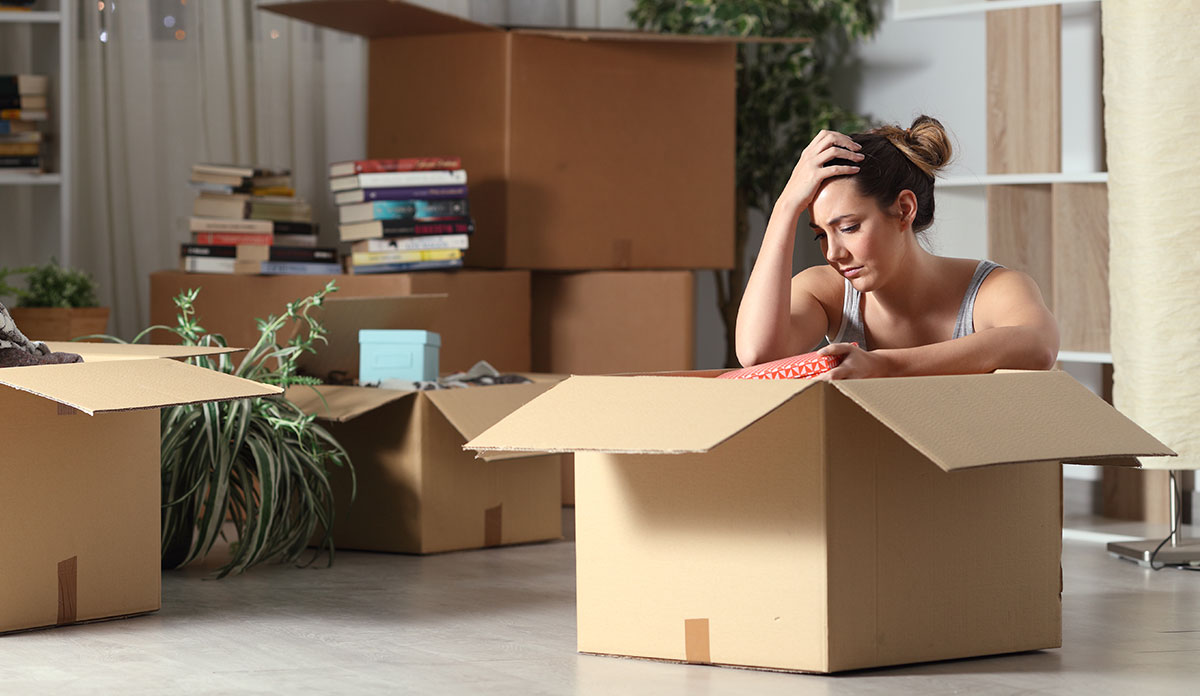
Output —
(851, 272)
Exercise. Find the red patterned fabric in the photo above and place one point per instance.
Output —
(795, 367)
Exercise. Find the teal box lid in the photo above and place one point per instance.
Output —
(409, 336)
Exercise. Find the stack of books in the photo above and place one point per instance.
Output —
(402, 215)
(22, 107)
(249, 220)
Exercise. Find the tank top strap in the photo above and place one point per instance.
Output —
(964, 325)
(852, 329)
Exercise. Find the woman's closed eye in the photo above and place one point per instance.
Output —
(850, 228)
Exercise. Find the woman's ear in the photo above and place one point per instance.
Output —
(906, 202)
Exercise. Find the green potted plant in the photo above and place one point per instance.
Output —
(784, 96)
(255, 467)
(55, 304)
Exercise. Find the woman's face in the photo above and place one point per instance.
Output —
(860, 241)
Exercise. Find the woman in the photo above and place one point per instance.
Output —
(908, 311)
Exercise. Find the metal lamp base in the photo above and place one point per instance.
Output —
(1184, 552)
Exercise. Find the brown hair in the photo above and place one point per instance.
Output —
(897, 159)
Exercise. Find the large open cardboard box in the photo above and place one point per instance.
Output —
(485, 317)
(80, 480)
(584, 149)
(820, 526)
(417, 490)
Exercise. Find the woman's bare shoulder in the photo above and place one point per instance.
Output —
(821, 282)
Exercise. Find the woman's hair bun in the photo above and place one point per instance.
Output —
(925, 143)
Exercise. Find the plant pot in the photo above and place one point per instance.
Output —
(60, 323)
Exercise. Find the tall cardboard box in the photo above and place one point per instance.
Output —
(584, 149)
(417, 490)
(80, 480)
(485, 317)
(605, 322)
(820, 526)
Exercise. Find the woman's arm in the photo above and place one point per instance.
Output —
(772, 319)
(1013, 330)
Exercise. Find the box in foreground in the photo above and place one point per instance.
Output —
(816, 526)
(80, 481)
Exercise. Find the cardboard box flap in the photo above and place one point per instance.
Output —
(665, 415)
(377, 18)
(130, 385)
(104, 352)
(619, 35)
(965, 421)
(340, 403)
(344, 316)
(475, 409)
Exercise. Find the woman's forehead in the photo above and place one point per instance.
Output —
(838, 197)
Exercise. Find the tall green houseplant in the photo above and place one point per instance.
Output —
(783, 95)
(260, 464)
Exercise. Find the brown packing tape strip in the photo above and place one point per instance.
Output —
(67, 575)
(65, 410)
(493, 522)
(695, 641)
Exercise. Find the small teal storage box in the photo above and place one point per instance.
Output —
(397, 354)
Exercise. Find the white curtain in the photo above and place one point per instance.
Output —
(163, 84)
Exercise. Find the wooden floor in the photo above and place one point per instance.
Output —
(502, 622)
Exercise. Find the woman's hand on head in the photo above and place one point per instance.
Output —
(856, 363)
(811, 171)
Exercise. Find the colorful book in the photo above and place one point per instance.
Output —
(203, 224)
(432, 241)
(408, 193)
(433, 177)
(446, 208)
(232, 238)
(407, 164)
(23, 84)
(402, 228)
(407, 267)
(261, 252)
(8, 127)
(23, 115)
(23, 101)
(371, 258)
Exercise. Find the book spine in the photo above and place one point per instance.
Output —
(23, 115)
(413, 193)
(434, 241)
(231, 238)
(367, 258)
(407, 267)
(293, 227)
(298, 268)
(404, 228)
(199, 264)
(223, 251)
(18, 149)
(407, 164)
(303, 254)
(405, 179)
(205, 224)
(22, 161)
(420, 209)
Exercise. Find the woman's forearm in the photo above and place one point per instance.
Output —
(763, 316)
(1002, 347)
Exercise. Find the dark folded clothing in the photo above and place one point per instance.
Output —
(18, 351)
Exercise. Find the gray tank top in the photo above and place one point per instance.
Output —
(853, 331)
